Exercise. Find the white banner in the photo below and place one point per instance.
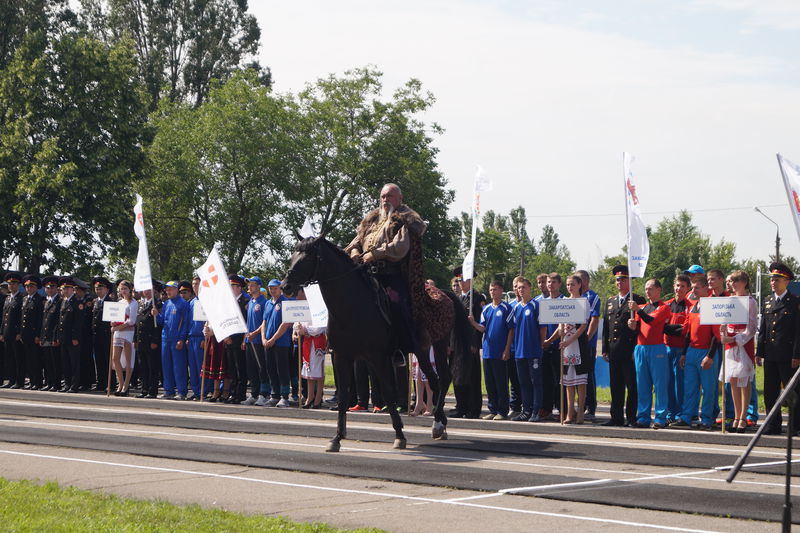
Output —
(198, 315)
(791, 181)
(296, 311)
(319, 311)
(638, 245)
(216, 295)
(724, 310)
(114, 311)
(563, 311)
(142, 280)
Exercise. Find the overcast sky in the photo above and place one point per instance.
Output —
(547, 95)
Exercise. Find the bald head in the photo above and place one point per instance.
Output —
(391, 197)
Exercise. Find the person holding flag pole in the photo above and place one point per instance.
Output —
(638, 246)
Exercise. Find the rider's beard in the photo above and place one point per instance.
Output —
(386, 213)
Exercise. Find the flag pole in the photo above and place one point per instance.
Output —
(202, 366)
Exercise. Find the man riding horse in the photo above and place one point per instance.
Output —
(388, 241)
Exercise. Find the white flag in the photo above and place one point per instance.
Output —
(791, 180)
(216, 297)
(482, 184)
(308, 229)
(319, 311)
(638, 245)
(142, 280)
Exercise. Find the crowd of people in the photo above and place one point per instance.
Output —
(53, 338)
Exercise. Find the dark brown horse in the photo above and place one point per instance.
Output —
(358, 330)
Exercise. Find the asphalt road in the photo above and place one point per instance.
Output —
(614, 477)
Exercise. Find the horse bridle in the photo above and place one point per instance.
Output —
(314, 278)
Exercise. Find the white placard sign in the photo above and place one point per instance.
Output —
(295, 311)
(724, 310)
(563, 310)
(198, 314)
(114, 311)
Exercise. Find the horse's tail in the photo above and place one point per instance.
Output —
(460, 342)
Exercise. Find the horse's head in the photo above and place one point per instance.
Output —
(304, 265)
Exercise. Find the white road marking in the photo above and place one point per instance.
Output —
(494, 435)
(320, 446)
(354, 491)
(535, 488)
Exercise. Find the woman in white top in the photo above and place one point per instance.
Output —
(123, 338)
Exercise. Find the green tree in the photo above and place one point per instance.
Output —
(353, 142)
(182, 45)
(522, 246)
(228, 170)
(70, 148)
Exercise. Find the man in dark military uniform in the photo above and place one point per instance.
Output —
(469, 398)
(3, 296)
(10, 334)
(778, 345)
(70, 334)
(618, 344)
(31, 329)
(88, 375)
(101, 330)
(48, 336)
(148, 342)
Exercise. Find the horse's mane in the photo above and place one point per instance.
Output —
(307, 243)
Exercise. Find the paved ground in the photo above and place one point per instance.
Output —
(496, 476)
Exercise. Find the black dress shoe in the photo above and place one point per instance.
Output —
(15, 386)
(772, 431)
(72, 391)
(142, 395)
(613, 423)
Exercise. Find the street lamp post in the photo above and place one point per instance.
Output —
(777, 234)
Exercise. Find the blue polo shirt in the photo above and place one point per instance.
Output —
(498, 321)
(594, 310)
(273, 316)
(527, 343)
(255, 315)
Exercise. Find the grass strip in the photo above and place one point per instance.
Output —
(28, 506)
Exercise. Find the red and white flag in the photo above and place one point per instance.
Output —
(638, 245)
(142, 279)
(217, 299)
(791, 180)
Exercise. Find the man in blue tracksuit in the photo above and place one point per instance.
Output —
(256, 359)
(195, 344)
(174, 317)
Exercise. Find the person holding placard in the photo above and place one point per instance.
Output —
(778, 346)
(650, 356)
(552, 355)
(698, 363)
(575, 358)
(591, 331)
(739, 340)
(123, 333)
(101, 331)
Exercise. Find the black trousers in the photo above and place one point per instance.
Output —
(71, 363)
(278, 369)
(15, 362)
(777, 375)
(51, 360)
(33, 360)
(148, 361)
(469, 396)
(591, 385)
(256, 368)
(515, 399)
(551, 396)
(622, 374)
(237, 367)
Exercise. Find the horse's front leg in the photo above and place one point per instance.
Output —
(343, 369)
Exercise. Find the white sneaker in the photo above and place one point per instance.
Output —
(249, 401)
(262, 401)
(272, 402)
(283, 403)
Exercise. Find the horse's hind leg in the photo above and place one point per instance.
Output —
(442, 381)
(383, 370)
(342, 368)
